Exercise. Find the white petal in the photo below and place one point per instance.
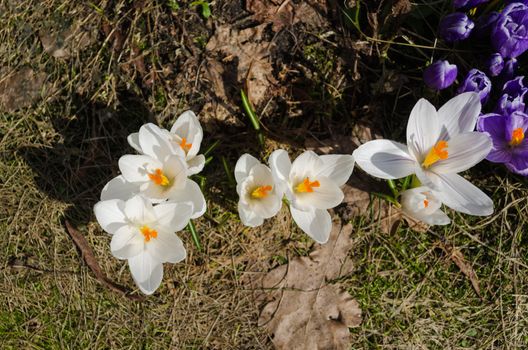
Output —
(191, 193)
(465, 150)
(337, 167)
(133, 141)
(135, 168)
(127, 242)
(110, 214)
(243, 166)
(139, 210)
(248, 217)
(153, 282)
(119, 188)
(155, 142)
(167, 247)
(187, 125)
(423, 128)
(175, 168)
(195, 164)
(461, 195)
(326, 196)
(267, 207)
(173, 216)
(142, 266)
(305, 165)
(459, 114)
(316, 223)
(280, 165)
(384, 159)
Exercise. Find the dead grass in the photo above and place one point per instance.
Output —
(58, 151)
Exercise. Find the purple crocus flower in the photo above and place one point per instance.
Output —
(508, 136)
(478, 82)
(484, 24)
(509, 35)
(510, 67)
(440, 74)
(455, 27)
(467, 3)
(494, 64)
(512, 100)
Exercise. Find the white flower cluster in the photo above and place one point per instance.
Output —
(153, 198)
(440, 144)
(311, 185)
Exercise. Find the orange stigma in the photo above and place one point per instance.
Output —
(426, 203)
(307, 186)
(159, 178)
(517, 137)
(438, 152)
(148, 233)
(261, 192)
(184, 145)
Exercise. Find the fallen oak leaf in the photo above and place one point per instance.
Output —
(302, 309)
(91, 261)
(458, 258)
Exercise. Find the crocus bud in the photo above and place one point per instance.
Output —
(478, 82)
(509, 34)
(440, 74)
(512, 100)
(494, 64)
(458, 4)
(455, 27)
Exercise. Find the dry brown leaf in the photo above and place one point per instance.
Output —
(249, 52)
(91, 261)
(304, 311)
(22, 88)
(267, 11)
(458, 258)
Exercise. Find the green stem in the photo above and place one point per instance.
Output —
(194, 235)
(253, 118)
(229, 173)
(406, 183)
(393, 188)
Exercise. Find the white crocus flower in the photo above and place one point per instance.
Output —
(440, 144)
(259, 197)
(420, 203)
(185, 138)
(144, 235)
(158, 174)
(312, 186)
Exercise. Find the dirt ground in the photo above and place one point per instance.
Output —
(78, 77)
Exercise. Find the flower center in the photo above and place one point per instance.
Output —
(306, 186)
(148, 232)
(438, 152)
(159, 178)
(261, 192)
(517, 137)
(184, 145)
(426, 203)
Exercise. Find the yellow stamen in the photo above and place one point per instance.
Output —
(307, 186)
(159, 178)
(261, 192)
(438, 152)
(184, 145)
(148, 233)
(517, 137)
(426, 203)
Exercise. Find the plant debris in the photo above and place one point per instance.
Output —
(303, 310)
(22, 88)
